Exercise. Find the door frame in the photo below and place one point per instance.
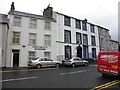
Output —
(14, 62)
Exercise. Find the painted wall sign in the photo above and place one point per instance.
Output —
(39, 47)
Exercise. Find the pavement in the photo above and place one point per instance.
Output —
(25, 68)
(13, 68)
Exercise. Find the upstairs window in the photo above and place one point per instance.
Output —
(85, 39)
(92, 28)
(84, 25)
(47, 25)
(32, 39)
(67, 36)
(78, 38)
(78, 24)
(93, 43)
(47, 40)
(67, 21)
(33, 23)
(17, 21)
(16, 37)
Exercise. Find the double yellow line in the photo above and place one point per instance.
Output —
(106, 85)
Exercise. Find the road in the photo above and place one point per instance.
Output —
(63, 77)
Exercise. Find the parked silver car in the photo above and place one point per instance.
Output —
(75, 61)
(42, 62)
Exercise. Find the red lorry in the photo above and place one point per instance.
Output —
(109, 63)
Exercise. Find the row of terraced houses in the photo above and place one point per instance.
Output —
(53, 34)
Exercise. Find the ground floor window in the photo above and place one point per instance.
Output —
(85, 52)
(93, 52)
(68, 52)
(31, 54)
(47, 54)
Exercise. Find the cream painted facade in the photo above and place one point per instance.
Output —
(18, 54)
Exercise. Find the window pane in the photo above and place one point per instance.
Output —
(78, 24)
(33, 23)
(31, 55)
(47, 54)
(92, 28)
(16, 37)
(84, 26)
(32, 39)
(47, 25)
(67, 36)
(85, 39)
(93, 40)
(17, 21)
(67, 21)
(68, 54)
(47, 41)
(78, 38)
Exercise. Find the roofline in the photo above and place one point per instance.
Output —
(24, 14)
(81, 20)
(113, 40)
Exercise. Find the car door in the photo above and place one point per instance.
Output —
(42, 61)
(80, 61)
(76, 61)
(49, 62)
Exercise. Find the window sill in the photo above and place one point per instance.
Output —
(16, 26)
(32, 28)
(32, 45)
(48, 29)
(15, 44)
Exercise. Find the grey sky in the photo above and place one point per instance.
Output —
(100, 12)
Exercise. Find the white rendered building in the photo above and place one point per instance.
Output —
(4, 27)
(53, 35)
(75, 37)
(29, 36)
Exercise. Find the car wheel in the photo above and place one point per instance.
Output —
(57, 65)
(38, 66)
(86, 64)
(73, 65)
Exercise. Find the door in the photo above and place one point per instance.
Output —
(42, 61)
(79, 51)
(15, 58)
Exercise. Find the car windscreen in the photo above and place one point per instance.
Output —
(34, 58)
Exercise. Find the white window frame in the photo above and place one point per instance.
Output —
(33, 23)
(47, 25)
(31, 39)
(15, 37)
(16, 21)
(29, 57)
(49, 56)
(48, 40)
